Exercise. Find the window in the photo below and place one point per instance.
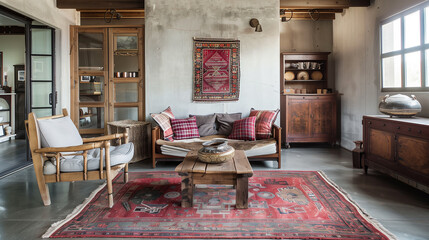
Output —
(405, 50)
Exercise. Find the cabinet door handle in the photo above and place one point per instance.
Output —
(420, 131)
(384, 124)
(409, 129)
(370, 122)
(398, 127)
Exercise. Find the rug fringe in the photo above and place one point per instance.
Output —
(55, 226)
(362, 211)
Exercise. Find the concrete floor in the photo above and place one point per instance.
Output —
(12, 155)
(401, 209)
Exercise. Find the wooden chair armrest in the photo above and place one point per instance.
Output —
(77, 148)
(105, 138)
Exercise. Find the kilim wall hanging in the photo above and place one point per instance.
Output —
(216, 70)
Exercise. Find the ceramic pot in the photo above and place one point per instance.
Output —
(216, 151)
(400, 105)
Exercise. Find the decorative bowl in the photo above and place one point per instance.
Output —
(216, 151)
(289, 76)
(303, 75)
(400, 105)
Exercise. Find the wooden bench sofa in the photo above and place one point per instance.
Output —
(157, 154)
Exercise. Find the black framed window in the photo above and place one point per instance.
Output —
(405, 50)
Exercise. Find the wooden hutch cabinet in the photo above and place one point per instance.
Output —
(399, 147)
(107, 76)
(308, 111)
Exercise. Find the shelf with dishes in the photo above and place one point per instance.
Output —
(126, 53)
(304, 81)
(304, 75)
(90, 94)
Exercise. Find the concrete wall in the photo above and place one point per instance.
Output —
(13, 48)
(308, 36)
(170, 27)
(45, 11)
(357, 64)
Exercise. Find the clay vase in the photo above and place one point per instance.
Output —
(216, 151)
(400, 105)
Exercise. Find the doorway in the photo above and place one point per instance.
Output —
(27, 83)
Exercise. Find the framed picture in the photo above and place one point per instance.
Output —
(2, 130)
(21, 75)
(126, 42)
(85, 78)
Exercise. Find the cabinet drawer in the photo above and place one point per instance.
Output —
(326, 98)
(382, 125)
(416, 131)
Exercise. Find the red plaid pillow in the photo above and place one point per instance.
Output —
(185, 128)
(264, 122)
(244, 129)
(163, 120)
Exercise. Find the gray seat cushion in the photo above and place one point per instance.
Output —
(118, 155)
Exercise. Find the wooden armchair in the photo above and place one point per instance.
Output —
(55, 160)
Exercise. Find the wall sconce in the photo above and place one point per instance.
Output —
(113, 14)
(254, 23)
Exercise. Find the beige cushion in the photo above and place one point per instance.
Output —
(59, 132)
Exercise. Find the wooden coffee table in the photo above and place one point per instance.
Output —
(235, 172)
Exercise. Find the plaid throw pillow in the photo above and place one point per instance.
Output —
(244, 129)
(163, 120)
(185, 128)
(264, 122)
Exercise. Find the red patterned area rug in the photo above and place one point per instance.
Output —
(282, 204)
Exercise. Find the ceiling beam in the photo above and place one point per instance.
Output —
(323, 4)
(289, 10)
(307, 16)
(100, 4)
(100, 13)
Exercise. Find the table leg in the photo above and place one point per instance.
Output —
(242, 192)
(187, 191)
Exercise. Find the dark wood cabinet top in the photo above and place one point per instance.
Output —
(411, 120)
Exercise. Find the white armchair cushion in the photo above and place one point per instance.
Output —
(118, 155)
(59, 132)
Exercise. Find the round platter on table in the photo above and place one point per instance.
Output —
(317, 75)
(303, 75)
(289, 76)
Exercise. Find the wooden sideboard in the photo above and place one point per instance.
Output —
(309, 118)
(398, 147)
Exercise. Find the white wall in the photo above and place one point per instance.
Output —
(357, 63)
(13, 48)
(170, 27)
(45, 11)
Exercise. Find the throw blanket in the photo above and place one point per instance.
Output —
(196, 144)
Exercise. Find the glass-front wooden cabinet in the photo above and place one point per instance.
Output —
(107, 76)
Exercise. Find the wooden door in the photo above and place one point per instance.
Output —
(413, 153)
(89, 79)
(126, 74)
(321, 115)
(381, 145)
(298, 122)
